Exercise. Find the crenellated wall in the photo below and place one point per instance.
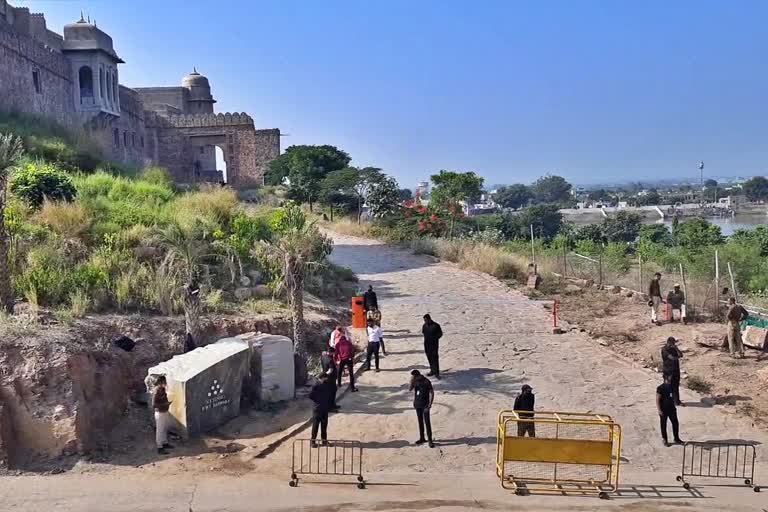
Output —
(144, 125)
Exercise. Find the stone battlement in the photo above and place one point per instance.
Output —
(203, 120)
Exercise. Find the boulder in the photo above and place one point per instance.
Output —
(763, 375)
(261, 291)
(616, 289)
(572, 288)
(243, 293)
(534, 281)
(256, 277)
(245, 281)
(755, 336)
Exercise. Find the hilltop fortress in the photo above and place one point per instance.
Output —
(74, 79)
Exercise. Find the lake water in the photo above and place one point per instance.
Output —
(730, 224)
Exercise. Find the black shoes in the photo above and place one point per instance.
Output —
(431, 444)
(421, 441)
(162, 451)
(168, 446)
(430, 374)
(679, 441)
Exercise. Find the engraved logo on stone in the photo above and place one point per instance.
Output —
(216, 397)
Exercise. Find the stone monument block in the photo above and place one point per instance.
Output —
(204, 386)
(755, 336)
(271, 369)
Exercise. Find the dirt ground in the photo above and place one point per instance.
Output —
(622, 324)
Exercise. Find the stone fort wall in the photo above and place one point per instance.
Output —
(37, 78)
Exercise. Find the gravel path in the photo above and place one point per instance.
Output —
(495, 341)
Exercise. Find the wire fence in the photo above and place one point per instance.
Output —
(706, 292)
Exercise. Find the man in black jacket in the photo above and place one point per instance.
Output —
(370, 301)
(432, 334)
(328, 363)
(670, 362)
(321, 396)
(525, 402)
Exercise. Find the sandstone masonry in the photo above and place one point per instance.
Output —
(74, 79)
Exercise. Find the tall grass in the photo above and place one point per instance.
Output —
(68, 220)
(474, 256)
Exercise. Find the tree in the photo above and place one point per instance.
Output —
(11, 151)
(452, 188)
(623, 227)
(546, 220)
(756, 189)
(352, 181)
(37, 181)
(598, 195)
(515, 196)
(303, 169)
(657, 234)
(696, 234)
(592, 232)
(551, 190)
(300, 247)
(710, 183)
(184, 257)
(651, 198)
(404, 194)
(383, 196)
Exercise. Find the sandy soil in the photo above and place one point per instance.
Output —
(495, 340)
(622, 324)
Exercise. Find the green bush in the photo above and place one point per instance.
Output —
(46, 276)
(36, 181)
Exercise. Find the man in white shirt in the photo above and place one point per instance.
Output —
(375, 338)
(336, 334)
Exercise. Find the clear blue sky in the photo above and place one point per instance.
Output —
(591, 90)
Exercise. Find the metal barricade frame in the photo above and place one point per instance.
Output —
(326, 460)
(560, 452)
(727, 459)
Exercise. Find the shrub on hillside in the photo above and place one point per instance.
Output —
(68, 220)
(36, 181)
(211, 207)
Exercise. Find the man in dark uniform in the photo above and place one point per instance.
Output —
(654, 296)
(524, 402)
(665, 403)
(370, 301)
(670, 359)
(328, 363)
(423, 396)
(432, 334)
(321, 396)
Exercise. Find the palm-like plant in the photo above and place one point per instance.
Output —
(300, 247)
(11, 151)
(184, 257)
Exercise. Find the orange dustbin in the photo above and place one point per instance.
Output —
(358, 313)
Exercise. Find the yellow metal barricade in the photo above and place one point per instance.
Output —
(558, 452)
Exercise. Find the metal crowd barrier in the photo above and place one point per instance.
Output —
(719, 460)
(333, 457)
(570, 453)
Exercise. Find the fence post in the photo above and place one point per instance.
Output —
(717, 282)
(565, 260)
(733, 283)
(600, 268)
(639, 272)
(688, 300)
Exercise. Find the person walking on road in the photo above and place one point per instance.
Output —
(665, 403)
(370, 301)
(432, 334)
(160, 405)
(345, 357)
(736, 315)
(670, 361)
(525, 402)
(654, 296)
(423, 396)
(375, 339)
(321, 398)
(330, 368)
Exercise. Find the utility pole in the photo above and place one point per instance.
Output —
(701, 171)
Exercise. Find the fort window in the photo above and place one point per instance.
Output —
(114, 87)
(36, 81)
(133, 139)
(116, 135)
(125, 139)
(101, 84)
(109, 89)
(86, 85)
(142, 141)
(202, 150)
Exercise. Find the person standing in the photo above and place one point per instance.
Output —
(654, 296)
(736, 315)
(423, 396)
(328, 363)
(665, 403)
(338, 332)
(525, 402)
(370, 301)
(676, 301)
(321, 398)
(345, 357)
(375, 338)
(432, 334)
(670, 362)
(160, 405)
